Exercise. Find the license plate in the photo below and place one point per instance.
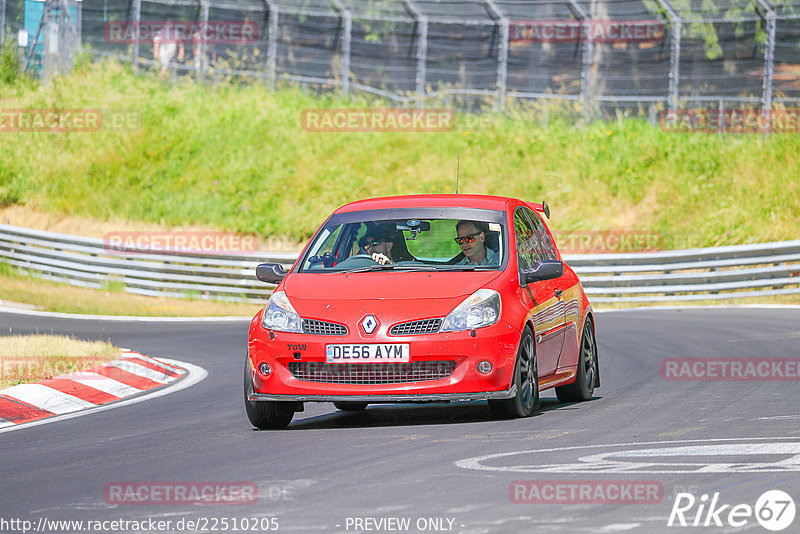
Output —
(368, 353)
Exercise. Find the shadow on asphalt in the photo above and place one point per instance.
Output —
(383, 415)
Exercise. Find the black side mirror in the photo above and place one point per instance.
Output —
(271, 273)
(543, 270)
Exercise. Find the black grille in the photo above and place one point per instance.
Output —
(322, 328)
(372, 373)
(427, 326)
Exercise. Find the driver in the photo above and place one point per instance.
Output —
(471, 238)
(378, 242)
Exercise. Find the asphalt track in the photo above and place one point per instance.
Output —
(428, 464)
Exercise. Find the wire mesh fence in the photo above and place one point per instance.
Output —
(603, 55)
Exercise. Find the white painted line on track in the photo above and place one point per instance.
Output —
(37, 313)
(475, 462)
(47, 398)
(195, 374)
(619, 527)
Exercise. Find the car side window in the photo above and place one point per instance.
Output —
(547, 250)
(528, 246)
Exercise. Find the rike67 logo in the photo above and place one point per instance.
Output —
(774, 510)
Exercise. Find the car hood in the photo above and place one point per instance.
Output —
(429, 294)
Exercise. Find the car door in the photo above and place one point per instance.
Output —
(557, 285)
(545, 310)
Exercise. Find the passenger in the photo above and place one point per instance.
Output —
(471, 238)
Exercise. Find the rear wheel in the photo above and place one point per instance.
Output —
(587, 373)
(350, 406)
(265, 414)
(526, 378)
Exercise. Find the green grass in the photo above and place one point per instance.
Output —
(237, 158)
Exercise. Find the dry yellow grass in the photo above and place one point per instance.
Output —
(33, 358)
(743, 301)
(49, 296)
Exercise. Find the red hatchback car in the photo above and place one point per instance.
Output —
(427, 298)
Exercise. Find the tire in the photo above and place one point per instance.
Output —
(588, 372)
(526, 377)
(351, 406)
(271, 415)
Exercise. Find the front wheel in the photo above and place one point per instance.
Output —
(526, 378)
(587, 373)
(265, 414)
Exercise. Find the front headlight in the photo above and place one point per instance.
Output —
(280, 315)
(480, 309)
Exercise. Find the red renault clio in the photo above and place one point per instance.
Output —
(427, 298)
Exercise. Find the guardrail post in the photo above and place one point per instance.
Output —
(769, 59)
(347, 37)
(422, 52)
(137, 20)
(502, 53)
(272, 45)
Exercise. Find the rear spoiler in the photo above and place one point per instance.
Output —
(541, 208)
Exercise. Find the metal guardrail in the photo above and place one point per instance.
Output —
(695, 274)
(90, 262)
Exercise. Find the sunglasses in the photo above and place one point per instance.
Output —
(467, 238)
(374, 243)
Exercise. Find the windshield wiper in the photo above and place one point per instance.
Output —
(385, 267)
(472, 268)
(422, 268)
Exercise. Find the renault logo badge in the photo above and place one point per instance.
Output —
(369, 324)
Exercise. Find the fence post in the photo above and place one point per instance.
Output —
(201, 74)
(2, 22)
(137, 21)
(272, 45)
(347, 22)
(502, 54)
(422, 52)
(674, 52)
(769, 64)
(586, 63)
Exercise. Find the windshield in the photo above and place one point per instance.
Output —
(412, 241)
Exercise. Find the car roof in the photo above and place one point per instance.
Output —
(424, 201)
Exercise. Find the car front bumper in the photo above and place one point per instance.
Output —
(441, 397)
(497, 344)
